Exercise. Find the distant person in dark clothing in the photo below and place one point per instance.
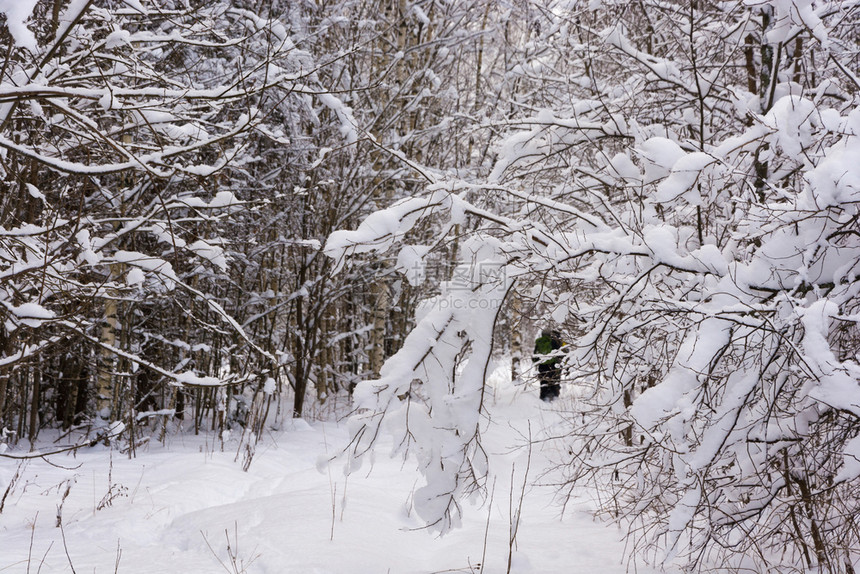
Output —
(549, 368)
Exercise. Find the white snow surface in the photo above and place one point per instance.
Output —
(178, 504)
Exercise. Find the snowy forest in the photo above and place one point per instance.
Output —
(221, 217)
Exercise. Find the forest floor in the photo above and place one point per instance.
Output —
(187, 506)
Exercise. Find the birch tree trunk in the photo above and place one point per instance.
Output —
(381, 304)
(105, 375)
(516, 335)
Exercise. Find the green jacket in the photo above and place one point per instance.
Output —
(545, 346)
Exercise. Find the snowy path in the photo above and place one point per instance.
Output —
(178, 501)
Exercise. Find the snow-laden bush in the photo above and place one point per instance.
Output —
(689, 202)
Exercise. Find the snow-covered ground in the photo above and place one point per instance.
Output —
(187, 507)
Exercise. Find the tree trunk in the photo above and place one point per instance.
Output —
(516, 336)
(104, 378)
(381, 303)
(34, 403)
(301, 367)
(324, 380)
(5, 372)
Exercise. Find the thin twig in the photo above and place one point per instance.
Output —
(66, 548)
